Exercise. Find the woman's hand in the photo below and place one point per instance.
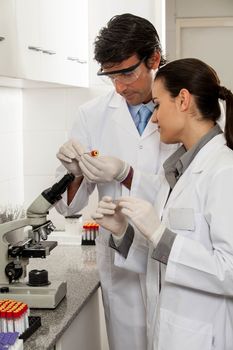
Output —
(141, 213)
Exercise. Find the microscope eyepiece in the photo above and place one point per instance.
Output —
(53, 194)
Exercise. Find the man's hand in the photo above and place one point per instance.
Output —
(103, 169)
(109, 216)
(69, 154)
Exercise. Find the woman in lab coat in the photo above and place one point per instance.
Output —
(189, 256)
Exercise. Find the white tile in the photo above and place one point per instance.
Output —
(11, 192)
(34, 185)
(10, 155)
(4, 199)
(40, 150)
(16, 191)
(76, 97)
(14, 144)
(10, 109)
(44, 109)
(5, 159)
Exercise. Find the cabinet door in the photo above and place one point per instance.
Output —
(29, 39)
(75, 38)
(84, 331)
(51, 13)
(8, 48)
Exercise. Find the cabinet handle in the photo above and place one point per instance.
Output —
(34, 48)
(76, 59)
(2, 38)
(49, 52)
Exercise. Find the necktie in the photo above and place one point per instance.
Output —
(144, 115)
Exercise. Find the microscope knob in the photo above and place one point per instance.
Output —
(13, 271)
(38, 278)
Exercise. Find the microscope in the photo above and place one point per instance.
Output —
(38, 292)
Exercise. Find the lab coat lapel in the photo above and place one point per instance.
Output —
(123, 118)
(162, 196)
(201, 161)
(149, 129)
(122, 115)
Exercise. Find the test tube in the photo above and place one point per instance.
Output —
(96, 230)
(92, 231)
(9, 320)
(88, 231)
(94, 153)
(84, 237)
(4, 323)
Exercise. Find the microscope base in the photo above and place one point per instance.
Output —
(46, 297)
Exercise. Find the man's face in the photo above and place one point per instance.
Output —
(134, 85)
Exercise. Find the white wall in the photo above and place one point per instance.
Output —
(11, 147)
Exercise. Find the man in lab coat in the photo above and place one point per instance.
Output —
(129, 52)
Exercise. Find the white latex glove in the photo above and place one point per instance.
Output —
(69, 154)
(103, 169)
(141, 213)
(109, 216)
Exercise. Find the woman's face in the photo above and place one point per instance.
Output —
(167, 114)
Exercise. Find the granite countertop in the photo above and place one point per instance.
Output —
(77, 266)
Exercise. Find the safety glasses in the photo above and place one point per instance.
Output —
(125, 76)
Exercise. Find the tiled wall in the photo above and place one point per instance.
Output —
(11, 147)
(34, 124)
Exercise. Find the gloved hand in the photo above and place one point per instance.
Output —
(69, 154)
(109, 216)
(141, 213)
(103, 169)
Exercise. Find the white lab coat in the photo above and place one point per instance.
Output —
(105, 124)
(194, 309)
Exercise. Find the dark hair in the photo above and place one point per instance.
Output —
(124, 36)
(203, 83)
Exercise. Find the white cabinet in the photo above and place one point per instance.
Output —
(75, 38)
(8, 50)
(28, 39)
(45, 40)
(87, 331)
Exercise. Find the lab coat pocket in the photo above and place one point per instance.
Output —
(182, 219)
(179, 333)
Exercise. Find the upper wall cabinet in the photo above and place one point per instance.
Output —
(75, 38)
(8, 47)
(44, 40)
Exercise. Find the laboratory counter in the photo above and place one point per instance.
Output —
(77, 266)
